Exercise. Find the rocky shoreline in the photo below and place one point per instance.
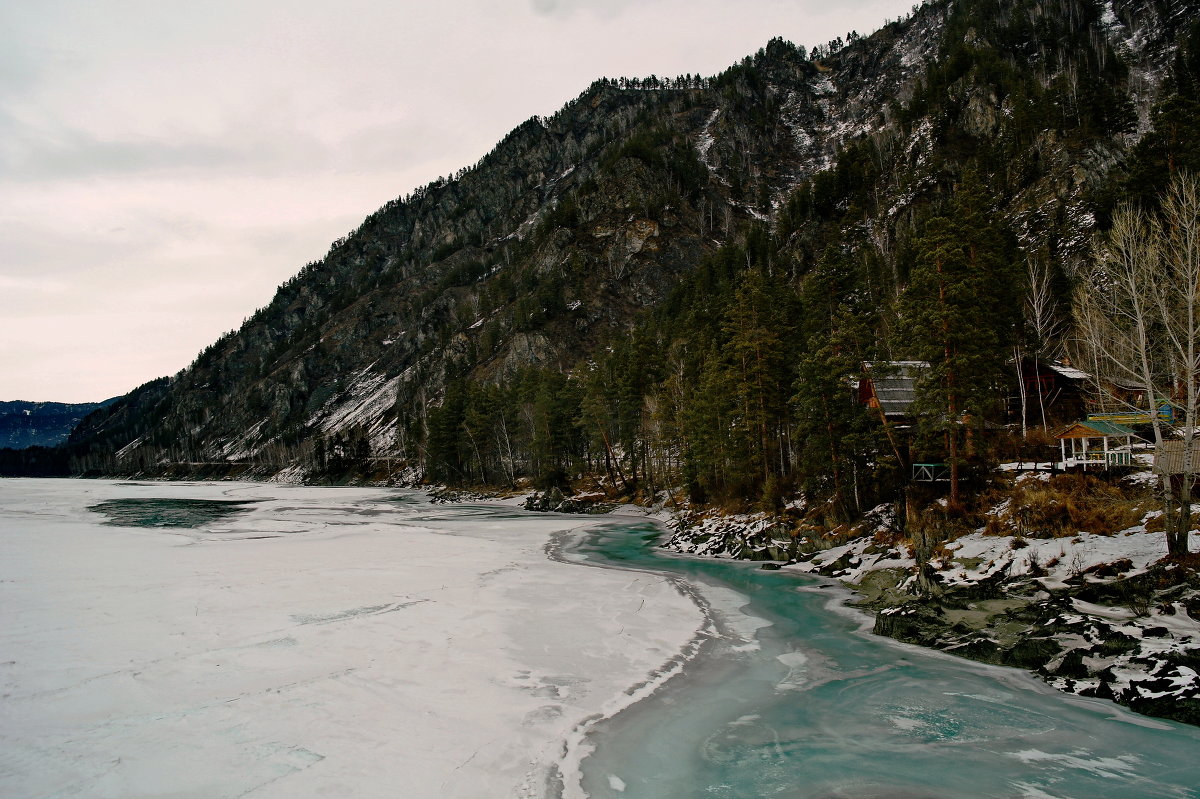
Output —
(1094, 615)
(1100, 616)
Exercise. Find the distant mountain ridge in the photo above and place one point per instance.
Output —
(41, 424)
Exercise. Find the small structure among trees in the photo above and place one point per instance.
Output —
(1048, 392)
(1099, 456)
(890, 387)
(930, 473)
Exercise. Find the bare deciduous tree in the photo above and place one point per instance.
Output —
(1138, 316)
(1045, 327)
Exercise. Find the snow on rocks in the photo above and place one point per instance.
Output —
(1095, 615)
(743, 537)
(705, 143)
(365, 402)
(1053, 561)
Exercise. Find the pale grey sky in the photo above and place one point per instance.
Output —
(164, 165)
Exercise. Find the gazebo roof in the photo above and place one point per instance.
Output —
(1095, 429)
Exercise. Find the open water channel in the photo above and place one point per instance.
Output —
(789, 696)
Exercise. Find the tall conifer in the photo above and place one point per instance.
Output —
(959, 311)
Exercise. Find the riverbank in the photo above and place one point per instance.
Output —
(1097, 615)
(793, 696)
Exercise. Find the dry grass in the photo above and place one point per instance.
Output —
(1067, 504)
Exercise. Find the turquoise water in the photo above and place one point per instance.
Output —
(812, 706)
(168, 512)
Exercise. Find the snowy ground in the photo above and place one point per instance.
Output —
(328, 642)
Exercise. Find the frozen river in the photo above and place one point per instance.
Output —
(227, 640)
(302, 642)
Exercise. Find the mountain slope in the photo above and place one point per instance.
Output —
(604, 227)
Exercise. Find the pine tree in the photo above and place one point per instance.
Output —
(754, 354)
(831, 429)
(444, 459)
(960, 310)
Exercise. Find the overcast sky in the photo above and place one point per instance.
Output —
(164, 165)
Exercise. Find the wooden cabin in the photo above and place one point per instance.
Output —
(890, 386)
(1056, 387)
(1116, 398)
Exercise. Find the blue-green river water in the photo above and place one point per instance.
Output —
(790, 697)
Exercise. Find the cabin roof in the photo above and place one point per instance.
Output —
(895, 383)
(1069, 372)
(1095, 429)
(1168, 457)
(1043, 366)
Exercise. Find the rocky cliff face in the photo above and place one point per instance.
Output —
(574, 224)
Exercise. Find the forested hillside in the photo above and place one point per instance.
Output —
(674, 282)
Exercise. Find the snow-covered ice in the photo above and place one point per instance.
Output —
(325, 642)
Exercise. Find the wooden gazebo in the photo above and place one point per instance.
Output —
(1100, 455)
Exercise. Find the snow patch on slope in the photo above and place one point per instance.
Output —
(242, 448)
(367, 402)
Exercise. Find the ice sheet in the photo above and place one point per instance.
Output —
(328, 642)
